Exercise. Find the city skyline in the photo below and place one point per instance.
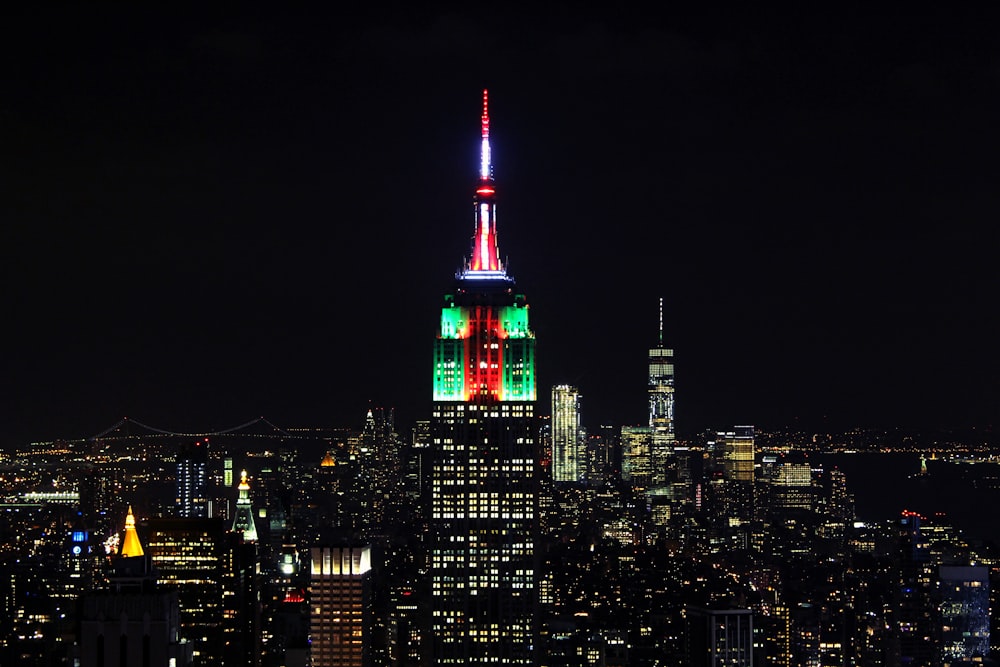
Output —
(202, 209)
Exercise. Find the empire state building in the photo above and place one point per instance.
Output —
(483, 430)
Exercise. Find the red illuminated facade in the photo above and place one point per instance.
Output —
(484, 459)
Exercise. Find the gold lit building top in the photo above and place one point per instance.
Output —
(131, 545)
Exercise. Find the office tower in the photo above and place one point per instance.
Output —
(409, 635)
(568, 462)
(340, 599)
(192, 480)
(917, 621)
(384, 465)
(132, 621)
(82, 562)
(835, 501)
(964, 593)
(241, 584)
(636, 466)
(719, 637)
(190, 556)
(777, 631)
(790, 487)
(416, 462)
(807, 639)
(242, 607)
(243, 522)
(738, 451)
(661, 407)
(483, 433)
(603, 455)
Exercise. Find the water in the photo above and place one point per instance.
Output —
(883, 485)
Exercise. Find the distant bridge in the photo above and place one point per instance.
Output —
(122, 431)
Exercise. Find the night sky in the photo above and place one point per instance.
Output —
(212, 215)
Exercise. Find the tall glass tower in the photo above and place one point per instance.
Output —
(192, 482)
(568, 441)
(661, 407)
(483, 471)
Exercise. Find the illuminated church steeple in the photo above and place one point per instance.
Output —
(243, 518)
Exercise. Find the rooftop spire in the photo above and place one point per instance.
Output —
(243, 519)
(486, 166)
(485, 261)
(131, 545)
(661, 320)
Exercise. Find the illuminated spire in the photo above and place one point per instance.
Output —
(130, 545)
(243, 520)
(661, 321)
(485, 256)
(486, 167)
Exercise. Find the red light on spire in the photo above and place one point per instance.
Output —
(485, 256)
(486, 115)
(486, 163)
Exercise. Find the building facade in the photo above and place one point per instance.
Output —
(568, 437)
(738, 454)
(213, 571)
(340, 597)
(483, 471)
(964, 593)
(192, 480)
(636, 442)
(661, 407)
(131, 621)
(719, 637)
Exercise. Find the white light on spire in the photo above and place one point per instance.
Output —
(484, 169)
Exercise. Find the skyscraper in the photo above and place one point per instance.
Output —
(568, 438)
(341, 600)
(964, 591)
(190, 558)
(192, 480)
(738, 453)
(636, 468)
(661, 406)
(917, 625)
(131, 621)
(483, 434)
(719, 637)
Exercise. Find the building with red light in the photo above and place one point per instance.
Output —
(483, 473)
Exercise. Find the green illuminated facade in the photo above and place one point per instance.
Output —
(484, 469)
(485, 349)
